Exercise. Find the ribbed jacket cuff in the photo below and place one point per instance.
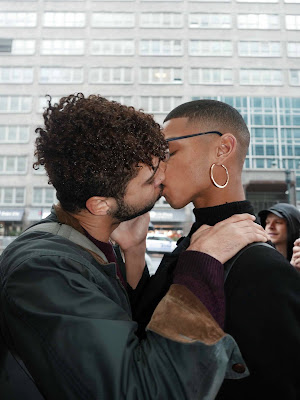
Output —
(203, 275)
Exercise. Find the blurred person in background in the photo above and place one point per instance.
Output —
(282, 224)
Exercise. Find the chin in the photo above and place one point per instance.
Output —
(176, 205)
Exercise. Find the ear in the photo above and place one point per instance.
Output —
(227, 146)
(98, 205)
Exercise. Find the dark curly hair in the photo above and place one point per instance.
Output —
(90, 146)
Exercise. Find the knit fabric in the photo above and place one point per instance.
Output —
(203, 275)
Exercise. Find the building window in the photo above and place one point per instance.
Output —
(259, 49)
(263, 119)
(17, 47)
(161, 20)
(16, 75)
(109, 75)
(17, 19)
(13, 164)
(293, 49)
(211, 76)
(43, 196)
(257, 1)
(162, 0)
(64, 19)
(258, 21)
(211, 1)
(113, 20)
(210, 48)
(292, 22)
(40, 171)
(154, 47)
(294, 75)
(13, 196)
(159, 104)
(263, 134)
(14, 133)
(126, 100)
(210, 21)
(259, 163)
(15, 104)
(112, 47)
(266, 104)
(289, 103)
(261, 77)
(43, 102)
(161, 75)
(61, 75)
(62, 47)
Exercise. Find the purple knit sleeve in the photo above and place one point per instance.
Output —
(203, 275)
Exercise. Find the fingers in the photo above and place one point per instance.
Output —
(297, 242)
(228, 237)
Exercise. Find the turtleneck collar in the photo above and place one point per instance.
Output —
(213, 215)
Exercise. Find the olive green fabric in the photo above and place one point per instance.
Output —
(69, 320)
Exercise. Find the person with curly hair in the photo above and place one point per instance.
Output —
(65, 309)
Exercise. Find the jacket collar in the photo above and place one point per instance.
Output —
(66, 218)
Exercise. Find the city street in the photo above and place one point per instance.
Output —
(155, 260)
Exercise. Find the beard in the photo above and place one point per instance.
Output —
(125, 212)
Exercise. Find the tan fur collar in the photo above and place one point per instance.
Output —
(66, 218)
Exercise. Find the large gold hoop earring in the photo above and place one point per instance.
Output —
(212, 176)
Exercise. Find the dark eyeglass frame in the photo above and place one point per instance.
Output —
(194, 134)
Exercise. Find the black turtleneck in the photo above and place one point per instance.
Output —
(213, 215)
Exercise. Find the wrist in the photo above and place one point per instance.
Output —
(136, 250)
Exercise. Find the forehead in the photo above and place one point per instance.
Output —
(272, 216)
(178, 126)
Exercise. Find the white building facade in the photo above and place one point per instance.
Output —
(153, 55)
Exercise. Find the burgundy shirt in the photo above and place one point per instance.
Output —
(108, 250)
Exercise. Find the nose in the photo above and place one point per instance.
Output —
(160, 174)
(270, 225)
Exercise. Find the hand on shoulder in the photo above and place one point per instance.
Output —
(223, 240)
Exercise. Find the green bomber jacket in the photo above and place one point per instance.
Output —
(66, 315)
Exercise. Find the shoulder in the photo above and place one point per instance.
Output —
(44, 252)
(263, 265)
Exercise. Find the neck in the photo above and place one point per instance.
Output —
(99, 227)
(218, 197)
(282, 248)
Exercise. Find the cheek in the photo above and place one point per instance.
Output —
(284, 230)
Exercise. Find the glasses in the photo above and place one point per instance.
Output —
(195, 134)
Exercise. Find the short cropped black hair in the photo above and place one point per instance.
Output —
(91, 146)
(218, 116)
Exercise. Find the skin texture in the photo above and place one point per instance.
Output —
(187, 177)
(276, 229)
